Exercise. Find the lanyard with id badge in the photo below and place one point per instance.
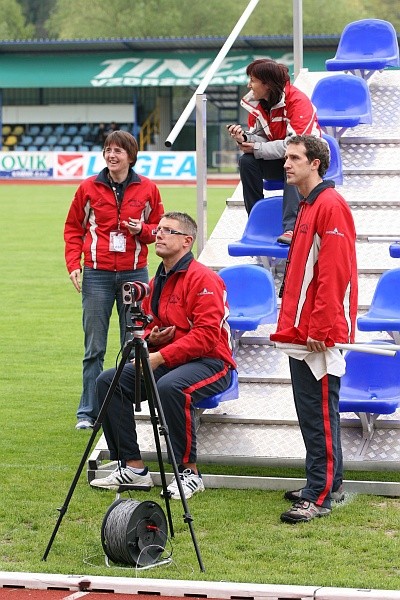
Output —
(117, 238)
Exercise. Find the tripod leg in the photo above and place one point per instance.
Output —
(156, 411)
(96, 427)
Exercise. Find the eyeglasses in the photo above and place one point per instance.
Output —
(167, 231)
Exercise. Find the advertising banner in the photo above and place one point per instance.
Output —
(79, 165)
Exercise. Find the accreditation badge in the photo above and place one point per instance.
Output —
(117, 241)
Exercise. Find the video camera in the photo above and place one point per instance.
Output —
(134, 291)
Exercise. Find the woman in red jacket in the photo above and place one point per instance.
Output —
(110, 223)
(278, 110)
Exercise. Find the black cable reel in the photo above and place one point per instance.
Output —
(134, 533)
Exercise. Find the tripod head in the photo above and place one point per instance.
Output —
(132, 294)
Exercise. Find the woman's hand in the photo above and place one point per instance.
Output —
(75, 277)
(134, 226)
(236, 132)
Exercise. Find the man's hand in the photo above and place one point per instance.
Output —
(155, 359)
(161, 336)
(315, 345)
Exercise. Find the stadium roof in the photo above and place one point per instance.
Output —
(255, 42)
(145, 62)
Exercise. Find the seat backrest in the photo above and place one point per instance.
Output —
(46, 130)
(371, 376)
(250, 290)
(265, 221)
(335, 170)
(386, 298)
(11, 140)
(33, 130)
(369, 38)
(394, 250)
(342, 95)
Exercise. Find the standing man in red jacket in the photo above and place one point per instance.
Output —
(189, 351)
(277, 111)
(110, 224)
(319, 309)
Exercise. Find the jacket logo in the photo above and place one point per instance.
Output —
(304, 228)
(335, 232)
(205, 292)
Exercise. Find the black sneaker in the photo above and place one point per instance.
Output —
(304, 511)
(285, 238)
(336, 497)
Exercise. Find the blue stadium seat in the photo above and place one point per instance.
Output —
(33, 130)
(39, 140)
(77, 140)
(83, 148)
(70, 148)
(71, 130)
(59, 130)
(251, 296)
(370, 387)
(64, 140)
(384, 312)
(26, 140)
(84, 130)
(273, 184)
(366, 46)
(342, 101)
(231, 393)
(335, 171)
(46, 130)
(51, 140)
(96, 148)
(263, 227)
(394, 250)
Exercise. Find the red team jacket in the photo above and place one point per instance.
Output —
(294, 114)
(320, 286)
(193, 299)
(93, 215)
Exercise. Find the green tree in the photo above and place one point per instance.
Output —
(36, 13)
(121, 18)
(13, 25)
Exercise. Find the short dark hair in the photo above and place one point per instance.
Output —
(125, 140)
(315, 148)
(274, 74)
(189, 225)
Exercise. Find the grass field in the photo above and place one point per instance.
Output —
(239, 533)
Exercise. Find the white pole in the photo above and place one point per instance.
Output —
(297, 36)
(201, 171)
(210, 73)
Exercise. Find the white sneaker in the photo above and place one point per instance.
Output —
(191, 483)
(124, 478)
(84, 424)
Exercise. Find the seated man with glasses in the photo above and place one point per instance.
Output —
(190, 354)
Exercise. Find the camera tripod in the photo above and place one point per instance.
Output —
(142, 367)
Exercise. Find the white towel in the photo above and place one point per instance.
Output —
(321, 363)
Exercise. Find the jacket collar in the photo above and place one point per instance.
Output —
(102, 177)
(313, 195)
